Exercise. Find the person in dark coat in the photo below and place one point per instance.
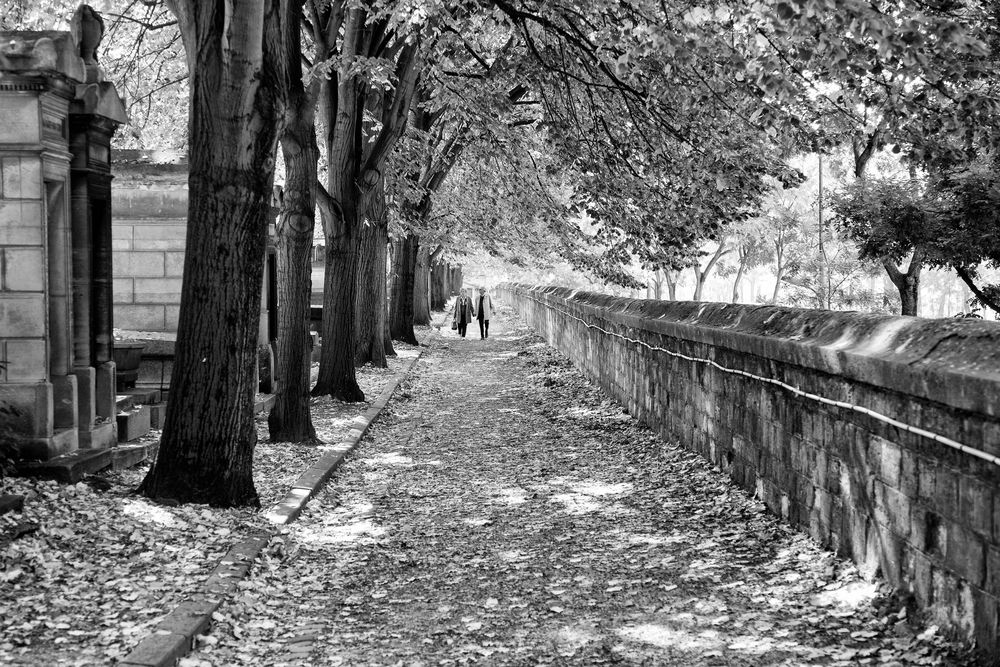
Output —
(483, 312)
(463, 313)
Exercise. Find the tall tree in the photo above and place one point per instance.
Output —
(370, 52)
(290, 418)
(236, 58)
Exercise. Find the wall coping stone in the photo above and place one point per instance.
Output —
(955, 362)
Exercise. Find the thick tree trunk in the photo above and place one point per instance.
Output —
(421, 288)
(457, 280)
(290, 419)
(371, 304)
(206, 450)
(404, 261)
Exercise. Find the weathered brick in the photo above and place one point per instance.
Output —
(909, 474)
(975, 505)
(888, 455)
(966, 554)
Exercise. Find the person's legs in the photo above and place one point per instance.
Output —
(482, 332)
(486, 326)
(462, 327)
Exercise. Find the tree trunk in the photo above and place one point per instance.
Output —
(370, 315)
(456, 284)
(235, 59)
(738, 279)
(908, 283)
(439, 286)
(421, 288)
(404, 261)
(671, 278)
(290, 419)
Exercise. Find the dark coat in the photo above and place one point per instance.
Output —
(460, 316)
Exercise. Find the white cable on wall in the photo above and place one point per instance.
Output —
(948, 442)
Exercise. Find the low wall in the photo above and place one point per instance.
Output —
(878, 435)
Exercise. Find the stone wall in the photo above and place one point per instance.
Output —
(149, 229)
(850, 426)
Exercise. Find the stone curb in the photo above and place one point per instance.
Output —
(316, 475)
(174, 636)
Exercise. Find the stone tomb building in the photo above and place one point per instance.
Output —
(58, 117)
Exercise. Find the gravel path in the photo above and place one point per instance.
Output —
(504, 512)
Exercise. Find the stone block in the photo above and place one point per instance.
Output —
(133, 424)
(946, 492)
(975, 505)
(20, 119)
(987, 614)
(99, 436)
(123, 290)
(921, 582)
(64, 401)
(157, 290)
(965, 554)
(138, 264)
(174, 263)
(21, 223)
(157, 415)
(69, 468)
(140, 317)
(23, 270)
(22, 316)
(26, 361)
(159, 236)
(171, 315)
(21, 177)
(909, 474)
(992, 584)
(888, 456)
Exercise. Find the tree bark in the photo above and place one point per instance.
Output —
(235, 62)
(739, 276)
(421, 288)
(404, 261)
(908, 283)
(370, 315)
(439, 286)
(290, 420)
(345, 152)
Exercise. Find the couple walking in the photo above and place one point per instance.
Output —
(466, 310)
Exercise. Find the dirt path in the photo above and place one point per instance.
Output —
(503, 512)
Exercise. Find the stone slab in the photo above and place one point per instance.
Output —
(133, 424)
(127, 456)
(68, 468)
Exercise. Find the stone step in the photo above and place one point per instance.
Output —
(130, 397)
(133, 423)
(126, 456)
(68, 468)
(101, 436)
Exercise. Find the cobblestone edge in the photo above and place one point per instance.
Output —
(174, 636)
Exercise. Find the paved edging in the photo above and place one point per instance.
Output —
(316, 475)
(174, 636)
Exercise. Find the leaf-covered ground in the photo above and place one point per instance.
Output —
(503, 512)
(100, 566)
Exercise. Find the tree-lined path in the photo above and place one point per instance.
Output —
(503, 512)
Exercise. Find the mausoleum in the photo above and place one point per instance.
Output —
(55, 237)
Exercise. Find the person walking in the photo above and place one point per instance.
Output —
(483, 313)
(463, 313)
